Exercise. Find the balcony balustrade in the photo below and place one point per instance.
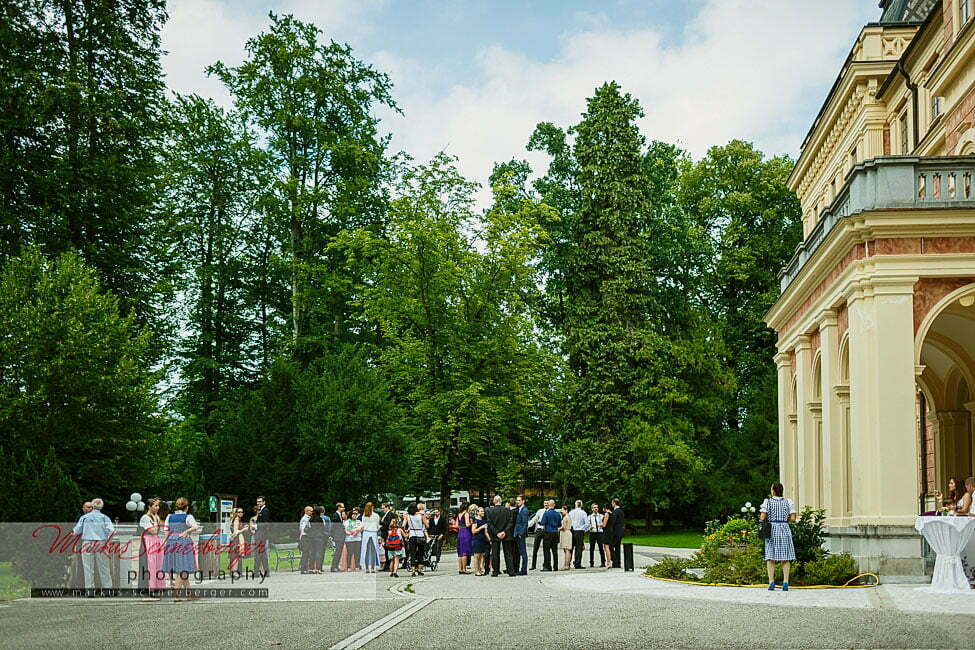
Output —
(890, 183)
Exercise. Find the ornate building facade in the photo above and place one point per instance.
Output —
(876, 317)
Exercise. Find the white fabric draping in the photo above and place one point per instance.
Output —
(949, 537)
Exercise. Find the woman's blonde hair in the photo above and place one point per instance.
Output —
(367, 512)
(182, 503)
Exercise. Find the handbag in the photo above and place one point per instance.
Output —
(765, 530)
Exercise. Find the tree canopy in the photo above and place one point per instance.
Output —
(263, 299)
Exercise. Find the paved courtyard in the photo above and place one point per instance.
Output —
(579, 609)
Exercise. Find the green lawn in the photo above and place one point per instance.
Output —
(11, 586)
(669, 539)
(248, 563)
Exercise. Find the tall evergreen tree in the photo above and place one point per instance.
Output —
(82, 79)
(644, 380)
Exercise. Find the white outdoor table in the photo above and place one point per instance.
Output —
(949, 537)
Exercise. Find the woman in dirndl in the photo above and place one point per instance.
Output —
(150, 564)
(779, 512)
(179, 554)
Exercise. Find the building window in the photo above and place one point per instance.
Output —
(935, 107)
(902, 133)
(964, 11)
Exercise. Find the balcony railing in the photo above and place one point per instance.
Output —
(885, 183)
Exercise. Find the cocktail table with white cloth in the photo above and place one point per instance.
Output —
(953, 539)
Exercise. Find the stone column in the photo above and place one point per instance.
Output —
(970, 431)
(882, 390)
(834, 468)
(843, 473)
(805, 428)
(786, 469)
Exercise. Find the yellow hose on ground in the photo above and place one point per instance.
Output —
(847, 585)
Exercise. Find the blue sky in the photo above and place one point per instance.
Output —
(475, 77)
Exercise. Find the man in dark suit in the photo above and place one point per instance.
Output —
(617, 528)
(501, 527)
(262, 539)
(437, 528)
(521, 532)
(338, 535)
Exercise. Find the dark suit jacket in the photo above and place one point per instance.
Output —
(338, 529)
(617, 523)
(384, 522)
(263, 529)
(499, 520)
(521, 521)
(439, 527)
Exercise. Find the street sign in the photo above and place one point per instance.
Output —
(226, 505)
(213, 504)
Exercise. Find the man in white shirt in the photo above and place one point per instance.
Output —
(580, 524)
(596, 536)
(95, 527)
(536, 521)
(302, 529)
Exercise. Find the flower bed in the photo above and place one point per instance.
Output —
(733, 554)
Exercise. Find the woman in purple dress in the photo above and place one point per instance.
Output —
(464, 524)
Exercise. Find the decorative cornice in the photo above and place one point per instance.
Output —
(827, 318)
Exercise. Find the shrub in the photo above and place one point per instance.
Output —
(808, 534)
(670, 567)
(831, 570)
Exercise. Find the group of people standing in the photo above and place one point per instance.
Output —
(485, 535)
(369, 540)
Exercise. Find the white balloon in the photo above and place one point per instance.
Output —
(131, 506)
(135, 496)
(142, 505)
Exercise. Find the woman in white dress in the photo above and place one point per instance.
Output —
(565, 539)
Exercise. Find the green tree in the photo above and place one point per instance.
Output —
(450, 292)
(320, 433)
(82, 82)
(216, 181)
(740, 200)
(313, 101)
(72, 379)
(621, 282)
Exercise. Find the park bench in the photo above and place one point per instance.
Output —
(286, 553)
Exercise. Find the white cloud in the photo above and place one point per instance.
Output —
(202, 32)
(738, 72)
(742, 69)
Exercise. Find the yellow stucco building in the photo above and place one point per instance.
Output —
(876, 317)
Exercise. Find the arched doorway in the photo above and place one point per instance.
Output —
(946, 401)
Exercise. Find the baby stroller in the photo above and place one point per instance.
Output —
(431, 556)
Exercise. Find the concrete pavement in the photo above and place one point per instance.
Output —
(572, 609)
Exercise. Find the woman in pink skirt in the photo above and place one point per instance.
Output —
(152, 545)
